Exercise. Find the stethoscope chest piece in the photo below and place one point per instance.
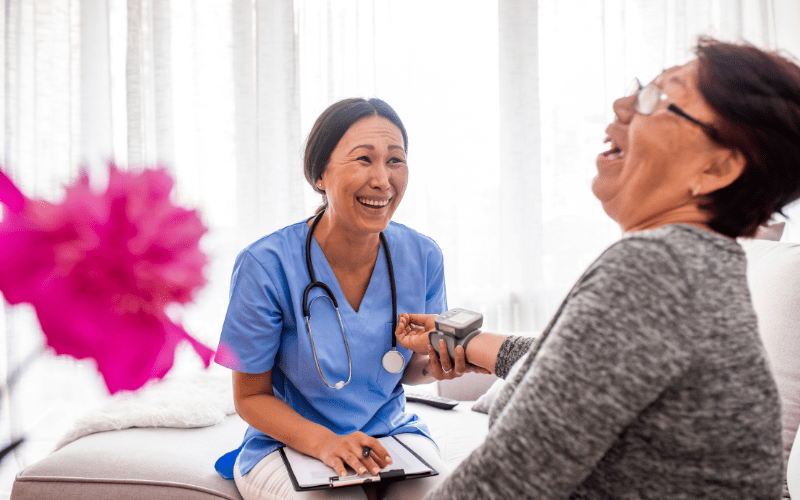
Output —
(393, 361)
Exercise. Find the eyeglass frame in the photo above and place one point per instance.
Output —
(709, 129)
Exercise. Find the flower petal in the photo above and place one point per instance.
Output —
(100, 269)
(10, 195)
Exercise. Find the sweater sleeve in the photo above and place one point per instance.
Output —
(512, 348)
(619, 341)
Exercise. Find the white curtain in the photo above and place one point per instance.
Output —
(505, 101)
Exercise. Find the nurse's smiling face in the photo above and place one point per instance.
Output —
(366, 176)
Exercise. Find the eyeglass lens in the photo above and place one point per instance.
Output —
(648, 99)
(633, 88)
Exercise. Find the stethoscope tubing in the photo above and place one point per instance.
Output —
(329, 295)
(314, 350)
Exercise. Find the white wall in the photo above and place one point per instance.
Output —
(787, 26)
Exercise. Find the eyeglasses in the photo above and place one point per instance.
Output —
(648, 97)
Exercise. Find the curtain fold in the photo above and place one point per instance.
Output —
(520, 168)
(269, 183)
(136, 84)
(164, 141)
(148, 83)
(278, 180)
(95, 127)
(246, 116)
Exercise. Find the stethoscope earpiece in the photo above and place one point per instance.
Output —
(393, 361)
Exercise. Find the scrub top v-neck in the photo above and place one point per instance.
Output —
(264, 330)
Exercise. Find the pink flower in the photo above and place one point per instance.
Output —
(100, 268)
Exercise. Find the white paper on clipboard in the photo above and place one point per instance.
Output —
(309, 473)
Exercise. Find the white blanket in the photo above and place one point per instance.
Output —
(201, 400)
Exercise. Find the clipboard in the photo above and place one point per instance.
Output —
(308, 473)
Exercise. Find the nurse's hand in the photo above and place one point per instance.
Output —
(341, 451)
(441, 367)
(412, 331)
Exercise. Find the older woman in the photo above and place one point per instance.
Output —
(651, 380)
(309, 328)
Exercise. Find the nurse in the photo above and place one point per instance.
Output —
(325, 386)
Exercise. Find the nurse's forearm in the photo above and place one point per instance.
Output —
(278, 420)
(416, 372)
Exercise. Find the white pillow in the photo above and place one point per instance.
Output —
(484, 402)
(773, 274)
(771, 232)
(193, 400)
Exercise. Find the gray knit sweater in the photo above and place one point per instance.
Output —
(650, 383)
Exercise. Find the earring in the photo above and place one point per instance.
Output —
(319, 185)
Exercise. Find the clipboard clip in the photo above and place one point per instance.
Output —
(337, 481)
(392, 473)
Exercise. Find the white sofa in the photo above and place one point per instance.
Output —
(168, 463)
(793, 471)
(773, 273)
(176, 459)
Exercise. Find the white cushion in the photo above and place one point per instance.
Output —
(202, 400)
(770, 231)
(773, 273)
(484, 403)
(468, 387)
(135, 464)
(793, 472)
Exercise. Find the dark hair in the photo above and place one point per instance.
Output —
(332, 125)
(756, 95)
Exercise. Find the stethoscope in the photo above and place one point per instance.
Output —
(393, 361)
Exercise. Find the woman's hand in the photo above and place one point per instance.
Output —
(341, 451)
(413, 334)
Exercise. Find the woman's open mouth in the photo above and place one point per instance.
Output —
(374, 203)
(614, 153)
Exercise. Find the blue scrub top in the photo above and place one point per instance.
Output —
(264, 330)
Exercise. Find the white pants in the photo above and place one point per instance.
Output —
(269, 480)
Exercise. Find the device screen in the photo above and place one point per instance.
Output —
(462, 317)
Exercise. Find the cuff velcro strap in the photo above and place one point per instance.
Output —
(463, 343)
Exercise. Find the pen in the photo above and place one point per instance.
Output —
(366, 451)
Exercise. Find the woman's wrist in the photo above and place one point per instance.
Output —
(482, 350)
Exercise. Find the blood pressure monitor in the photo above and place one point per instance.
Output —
(457, 327)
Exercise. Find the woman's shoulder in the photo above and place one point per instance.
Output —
(685, 236)
(642, 247)
(676, 258)
(685, 245)
(637, 261)
(290, 233)
(277, 243)
(410, 246)
(397, 232)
